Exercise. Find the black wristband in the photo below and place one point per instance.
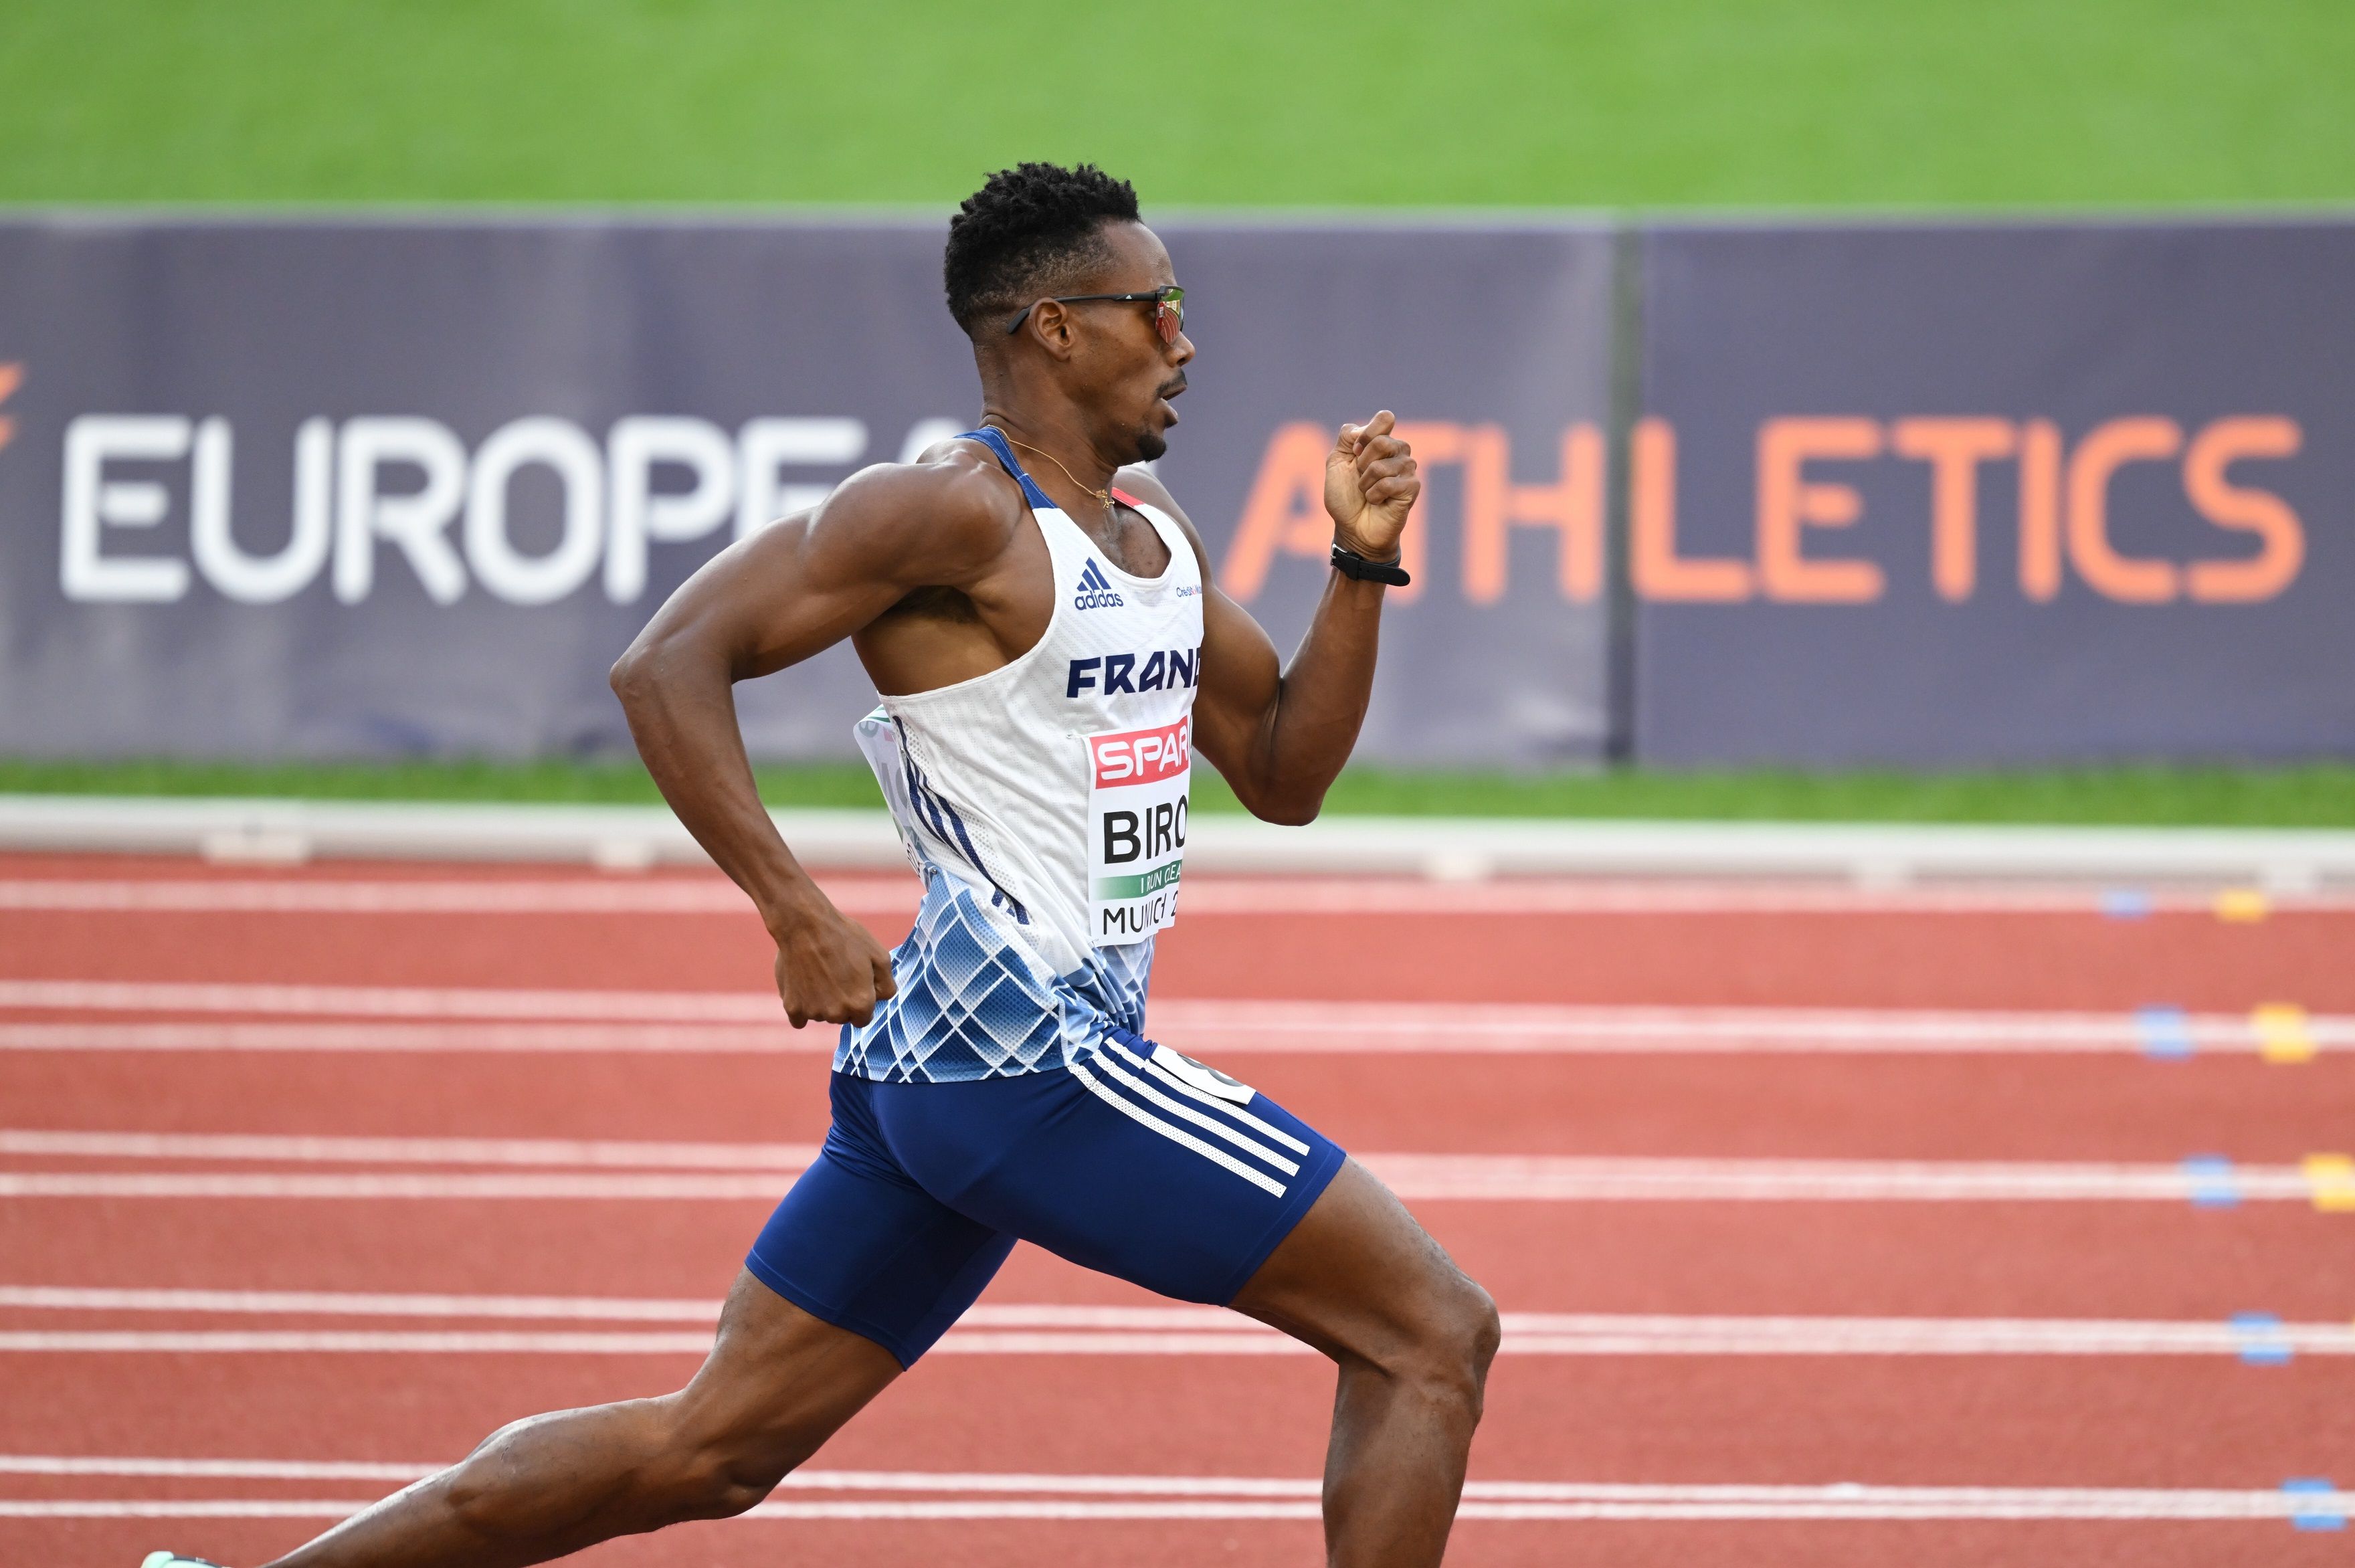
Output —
(1350, 563)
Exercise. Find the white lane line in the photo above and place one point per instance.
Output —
(417, 1185)
(585, 1308)
(884, 895)
(487, 895)
(1525, 1501)
(1526, 1334)
(391, 1001)
(1591, 1180)
(1507, 1025)
(672, 1022)
(1560, 1333)
(726, 1171)
(318, 1150)
(468, 1039)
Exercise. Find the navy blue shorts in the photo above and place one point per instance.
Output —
(1132, 1160)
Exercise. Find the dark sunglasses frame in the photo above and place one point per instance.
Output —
(1169, 303)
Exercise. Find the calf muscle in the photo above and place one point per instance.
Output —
(777, 1385)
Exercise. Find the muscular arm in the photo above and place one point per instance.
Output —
(767, 602)
(1281, 734)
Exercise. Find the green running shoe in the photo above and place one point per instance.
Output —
(174, 1559)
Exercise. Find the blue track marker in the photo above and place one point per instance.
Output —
(2321, 1516)
(2212, 1183)
(2165, 1033)
(2262, 1341)
(2125, 903)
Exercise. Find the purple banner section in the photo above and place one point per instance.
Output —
(1967, 496)
(352, 488)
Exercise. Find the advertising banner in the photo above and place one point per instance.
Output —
(1958, 496)
(368, 489)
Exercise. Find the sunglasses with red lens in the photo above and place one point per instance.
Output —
(1168, 309)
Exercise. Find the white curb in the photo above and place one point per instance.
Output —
(1448, 848)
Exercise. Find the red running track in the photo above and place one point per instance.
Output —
(2110, 1421)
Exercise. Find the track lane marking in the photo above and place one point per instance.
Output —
(298, 1148)
(1209, 895)
(725, 1171)
(1013, 1328)
(670, 1022)
(1080, 1496)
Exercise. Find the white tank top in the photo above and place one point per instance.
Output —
(1044, 804)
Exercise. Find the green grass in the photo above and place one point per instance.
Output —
(2322, 795)
(1385, 103)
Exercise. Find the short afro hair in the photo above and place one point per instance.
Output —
(1028, 233)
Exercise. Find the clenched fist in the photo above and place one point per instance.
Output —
(1371, 486)
(830, 969)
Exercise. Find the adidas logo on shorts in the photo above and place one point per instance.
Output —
(1095, 590)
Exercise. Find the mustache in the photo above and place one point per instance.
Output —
(1174, 386)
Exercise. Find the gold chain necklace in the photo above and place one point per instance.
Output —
(1104, 496)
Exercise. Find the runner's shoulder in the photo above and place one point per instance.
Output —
(1147, 487)
(1141, 482)
(955, 503)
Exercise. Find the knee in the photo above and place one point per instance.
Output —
(1458, 1338)
(707, 1469)
(720, 1480)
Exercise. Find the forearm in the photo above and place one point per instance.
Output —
(680, 702)
(1319, 705)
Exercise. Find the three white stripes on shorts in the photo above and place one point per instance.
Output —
(1147, 1083)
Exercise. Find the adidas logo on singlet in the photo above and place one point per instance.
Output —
(1095, 590)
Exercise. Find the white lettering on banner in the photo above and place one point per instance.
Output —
(404, 480)
(559, 446)
(640, 513)
(415, 521)
(1137, 782)
(92, 502)
(766, 445)
(212, 539)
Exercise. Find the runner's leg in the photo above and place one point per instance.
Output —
(1358, 1279)
(777, 1385)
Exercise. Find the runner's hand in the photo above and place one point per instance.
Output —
(1371, 486)
(830, 969)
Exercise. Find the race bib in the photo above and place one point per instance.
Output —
(1136, 830)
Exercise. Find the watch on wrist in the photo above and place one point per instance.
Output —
(1350, 563)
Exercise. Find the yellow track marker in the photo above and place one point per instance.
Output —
(2332, 1177)
(2283, 1037)
(2242, 906)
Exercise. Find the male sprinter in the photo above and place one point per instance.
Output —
(1039, 621)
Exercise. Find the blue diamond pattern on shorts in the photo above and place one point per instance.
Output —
(972, 1004)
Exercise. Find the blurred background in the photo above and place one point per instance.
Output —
(1839, 916)
(1831, 410)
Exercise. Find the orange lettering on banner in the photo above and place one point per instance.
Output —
(1787, 504)
(1954, 448)
(2107, 448)
(2260, 512)
(1284, 514)
(1492, 505)
(2040, 510)
(12, 376)
(1286, 511)
(1660, 573)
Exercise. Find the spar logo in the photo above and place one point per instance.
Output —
(1095, 590)
(11, 378)
(1141, 756)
